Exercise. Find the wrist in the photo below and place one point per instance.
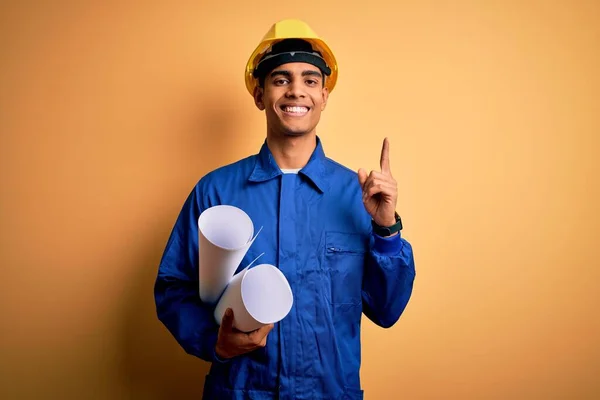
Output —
(219, 357)
(220, 354)
(387, 222)
(389, 228)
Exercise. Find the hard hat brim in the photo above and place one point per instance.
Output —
(318, 44)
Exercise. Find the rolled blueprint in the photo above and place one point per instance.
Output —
(225, 233)
(258, 296)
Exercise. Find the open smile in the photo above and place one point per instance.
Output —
(295, 111)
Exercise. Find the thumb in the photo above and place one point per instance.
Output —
(227, 321)
(362, 177)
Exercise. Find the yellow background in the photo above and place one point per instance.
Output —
(111, 111)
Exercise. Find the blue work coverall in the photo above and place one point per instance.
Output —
(318, 233)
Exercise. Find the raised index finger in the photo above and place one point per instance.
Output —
(384, 161)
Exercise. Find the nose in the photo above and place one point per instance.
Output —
(295, 89)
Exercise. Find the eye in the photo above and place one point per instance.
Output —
(311, 82)
(280, 81)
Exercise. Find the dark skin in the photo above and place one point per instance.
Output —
(291, 137)
(232, 342)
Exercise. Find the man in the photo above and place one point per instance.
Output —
(333, 233)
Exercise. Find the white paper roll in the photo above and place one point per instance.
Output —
(225, 233)
(258, 296)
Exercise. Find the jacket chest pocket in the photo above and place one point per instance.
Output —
(344, 262)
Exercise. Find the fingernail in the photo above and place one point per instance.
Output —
(228, 312)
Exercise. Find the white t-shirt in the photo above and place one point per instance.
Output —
(291, 171)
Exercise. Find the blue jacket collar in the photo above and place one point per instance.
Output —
(266, 168)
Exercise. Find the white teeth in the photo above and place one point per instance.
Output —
(298, 110)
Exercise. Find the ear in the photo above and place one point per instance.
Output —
(258, 98)
(325, 94)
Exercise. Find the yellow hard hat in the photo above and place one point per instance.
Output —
(291, 29)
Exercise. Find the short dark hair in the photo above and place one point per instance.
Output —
(287, 51)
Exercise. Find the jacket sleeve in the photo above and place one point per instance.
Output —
(388, 279)
(176, 294)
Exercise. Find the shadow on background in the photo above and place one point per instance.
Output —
(153, 364)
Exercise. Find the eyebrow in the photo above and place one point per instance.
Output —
(308, 72)
(311, 72)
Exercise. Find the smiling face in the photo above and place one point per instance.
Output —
(293, 96)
